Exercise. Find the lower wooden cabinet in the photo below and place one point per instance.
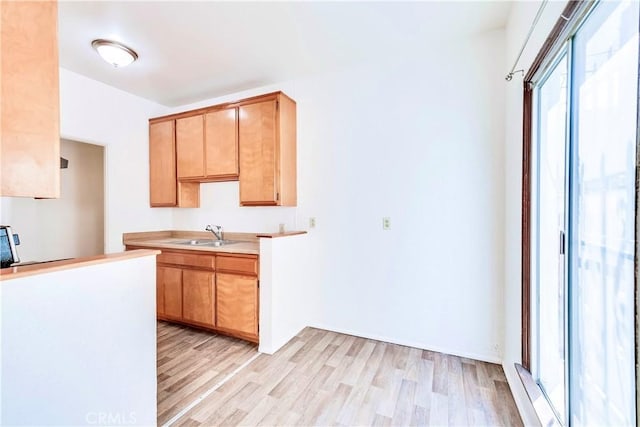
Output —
(169, 289)
(237, 299)
(198, 297)
(212, 291)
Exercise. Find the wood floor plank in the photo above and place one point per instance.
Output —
(311, 412)
(259, 411)
(323, 378)
(475, 413)
(382, 377)
(440, 374)
(381, 421)
(187, 422)
(359, 362)
(308, 400)
(507, 407)
(457, 403)
(420, 416)
(403, 411)
(332, 408)
(390, 394)
(343, 347)
(352, 405)
(424, 386)
(241, 392)
(439, 411)
(367, 411)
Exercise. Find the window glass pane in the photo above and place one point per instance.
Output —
(552, 104)
(602, 209)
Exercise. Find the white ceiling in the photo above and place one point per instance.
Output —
(190, 51)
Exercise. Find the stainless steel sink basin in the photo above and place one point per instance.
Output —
(206, 242)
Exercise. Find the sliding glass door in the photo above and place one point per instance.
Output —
(584, 221)
(551, 219)
(605, 97)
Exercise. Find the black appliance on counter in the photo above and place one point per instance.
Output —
(8, 250)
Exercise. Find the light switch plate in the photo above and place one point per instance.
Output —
(386, 223)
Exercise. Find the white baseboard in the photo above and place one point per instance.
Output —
(422, 346)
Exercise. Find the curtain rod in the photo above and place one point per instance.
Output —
(526, 40)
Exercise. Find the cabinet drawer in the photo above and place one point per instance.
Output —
(248, 265)
(178, 258)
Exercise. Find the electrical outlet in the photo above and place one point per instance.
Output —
(281, 228)
(386, 223)
(312, 222)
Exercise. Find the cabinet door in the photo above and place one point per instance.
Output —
(29, 99)
(221, 136)
(237, 303)
(162, 164)
(198, 297)
(171, 281)
(190, 147)
(159, 292)
(257, 141)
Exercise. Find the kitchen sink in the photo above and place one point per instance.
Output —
(206, 242)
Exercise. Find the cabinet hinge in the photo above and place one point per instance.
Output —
(277, 196)
(277, 105)
(258, 284)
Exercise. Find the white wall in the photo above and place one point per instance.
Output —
(93, 112)
(418, 138)
(99, 114)
(79, 346)
(520, 18)
(73, 225)
(287, 298)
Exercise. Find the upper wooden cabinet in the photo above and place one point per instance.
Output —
(253, 140)
(162, 164)
(221, 143)
(207, 146)
(164, 190)
(190, 147)
(29, 99)
(267, 138)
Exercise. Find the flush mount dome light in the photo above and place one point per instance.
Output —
(114, 53)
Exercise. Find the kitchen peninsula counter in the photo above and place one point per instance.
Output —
(83, 333)
(21, 271)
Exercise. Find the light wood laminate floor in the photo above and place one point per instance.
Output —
(190, 362)
(323, 378)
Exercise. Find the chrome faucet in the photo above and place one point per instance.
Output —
(216, 230)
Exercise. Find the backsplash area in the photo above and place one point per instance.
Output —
(220, 204)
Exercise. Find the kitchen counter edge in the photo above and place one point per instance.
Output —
(50, 267)
(247, 248)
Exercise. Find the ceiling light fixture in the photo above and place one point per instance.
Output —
(114, 53)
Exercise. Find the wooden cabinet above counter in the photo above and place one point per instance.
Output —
(29, 99)
(165, 190)
(207, 146)
(251, 140)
